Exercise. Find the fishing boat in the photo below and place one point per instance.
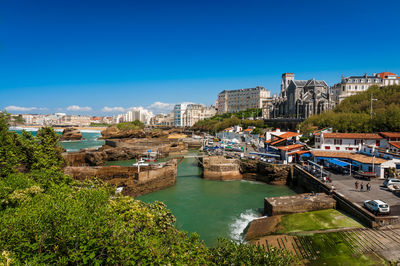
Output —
(141, 162)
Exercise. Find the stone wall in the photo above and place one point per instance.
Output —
(149, 179)
(220, 168)
(298, 203)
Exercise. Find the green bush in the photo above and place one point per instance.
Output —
(135, 125)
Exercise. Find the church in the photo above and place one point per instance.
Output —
(301, 98)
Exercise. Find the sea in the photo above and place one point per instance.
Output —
(90, 139)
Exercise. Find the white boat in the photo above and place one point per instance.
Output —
(141, 162)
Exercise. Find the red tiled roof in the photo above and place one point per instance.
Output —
(395, 144)
(247, 130)
(390, 134)
(288, 135)
(351, 136)
(385, 74)
(290, 147)
(277, 141)
(298, 152)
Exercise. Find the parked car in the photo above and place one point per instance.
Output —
(377, 206)
(391, 181)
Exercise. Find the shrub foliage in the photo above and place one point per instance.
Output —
(48, 218)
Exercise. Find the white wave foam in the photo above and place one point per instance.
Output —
(23, 128)
(240, 223)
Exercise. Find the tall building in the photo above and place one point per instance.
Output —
(301, 98)
(179, 110)
(231, 101)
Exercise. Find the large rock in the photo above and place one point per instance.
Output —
(114, 132)
(71, 134)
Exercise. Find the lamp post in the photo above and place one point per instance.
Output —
(371, 105)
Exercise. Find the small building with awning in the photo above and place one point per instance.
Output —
(356, 161)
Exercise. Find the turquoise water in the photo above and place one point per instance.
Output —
(212, 208)
(90, 140)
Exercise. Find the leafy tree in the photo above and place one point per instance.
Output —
(9, 159)
(353, 113)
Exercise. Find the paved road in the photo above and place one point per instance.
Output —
(346, 186)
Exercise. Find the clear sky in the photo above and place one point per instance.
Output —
(87, 55)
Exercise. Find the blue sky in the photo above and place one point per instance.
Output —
(120, 54)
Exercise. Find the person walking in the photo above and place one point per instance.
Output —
(356, 184)
(368, 187)
(362, 186)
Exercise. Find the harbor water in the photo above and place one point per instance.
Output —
(213, 209)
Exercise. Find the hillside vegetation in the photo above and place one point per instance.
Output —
(218, 123)
(46, 218)
(353, 113)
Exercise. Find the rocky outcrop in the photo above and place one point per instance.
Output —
(71, 134)
(134, 183)
(114, 132)
(269, 173)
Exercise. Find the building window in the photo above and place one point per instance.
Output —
(357, 141)
(337, 148)
(337, 141)
(378, 143)
(327, 147)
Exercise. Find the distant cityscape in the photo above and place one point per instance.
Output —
(297, 99)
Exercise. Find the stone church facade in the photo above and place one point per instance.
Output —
(301, 98)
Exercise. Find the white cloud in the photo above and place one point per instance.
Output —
(78, 108)
(113, 109)
(20, 108)
(159, 107)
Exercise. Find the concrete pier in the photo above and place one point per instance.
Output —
(298, 203)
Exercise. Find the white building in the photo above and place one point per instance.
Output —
(196, 112)
(347, 141)
(138, 113)
(163, 119)
(179, 110)
(231, 101)
(355, 84)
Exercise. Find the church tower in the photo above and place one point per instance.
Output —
(286, 79)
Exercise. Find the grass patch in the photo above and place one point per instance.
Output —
(333, 250)
(135, 125)
(316, 220)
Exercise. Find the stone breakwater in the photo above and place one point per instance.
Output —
(134, 183)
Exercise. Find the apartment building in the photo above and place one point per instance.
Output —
(231, 101)
(355, 84)
(197, 112)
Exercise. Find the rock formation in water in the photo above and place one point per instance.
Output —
(71, 134)
(114, 132)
